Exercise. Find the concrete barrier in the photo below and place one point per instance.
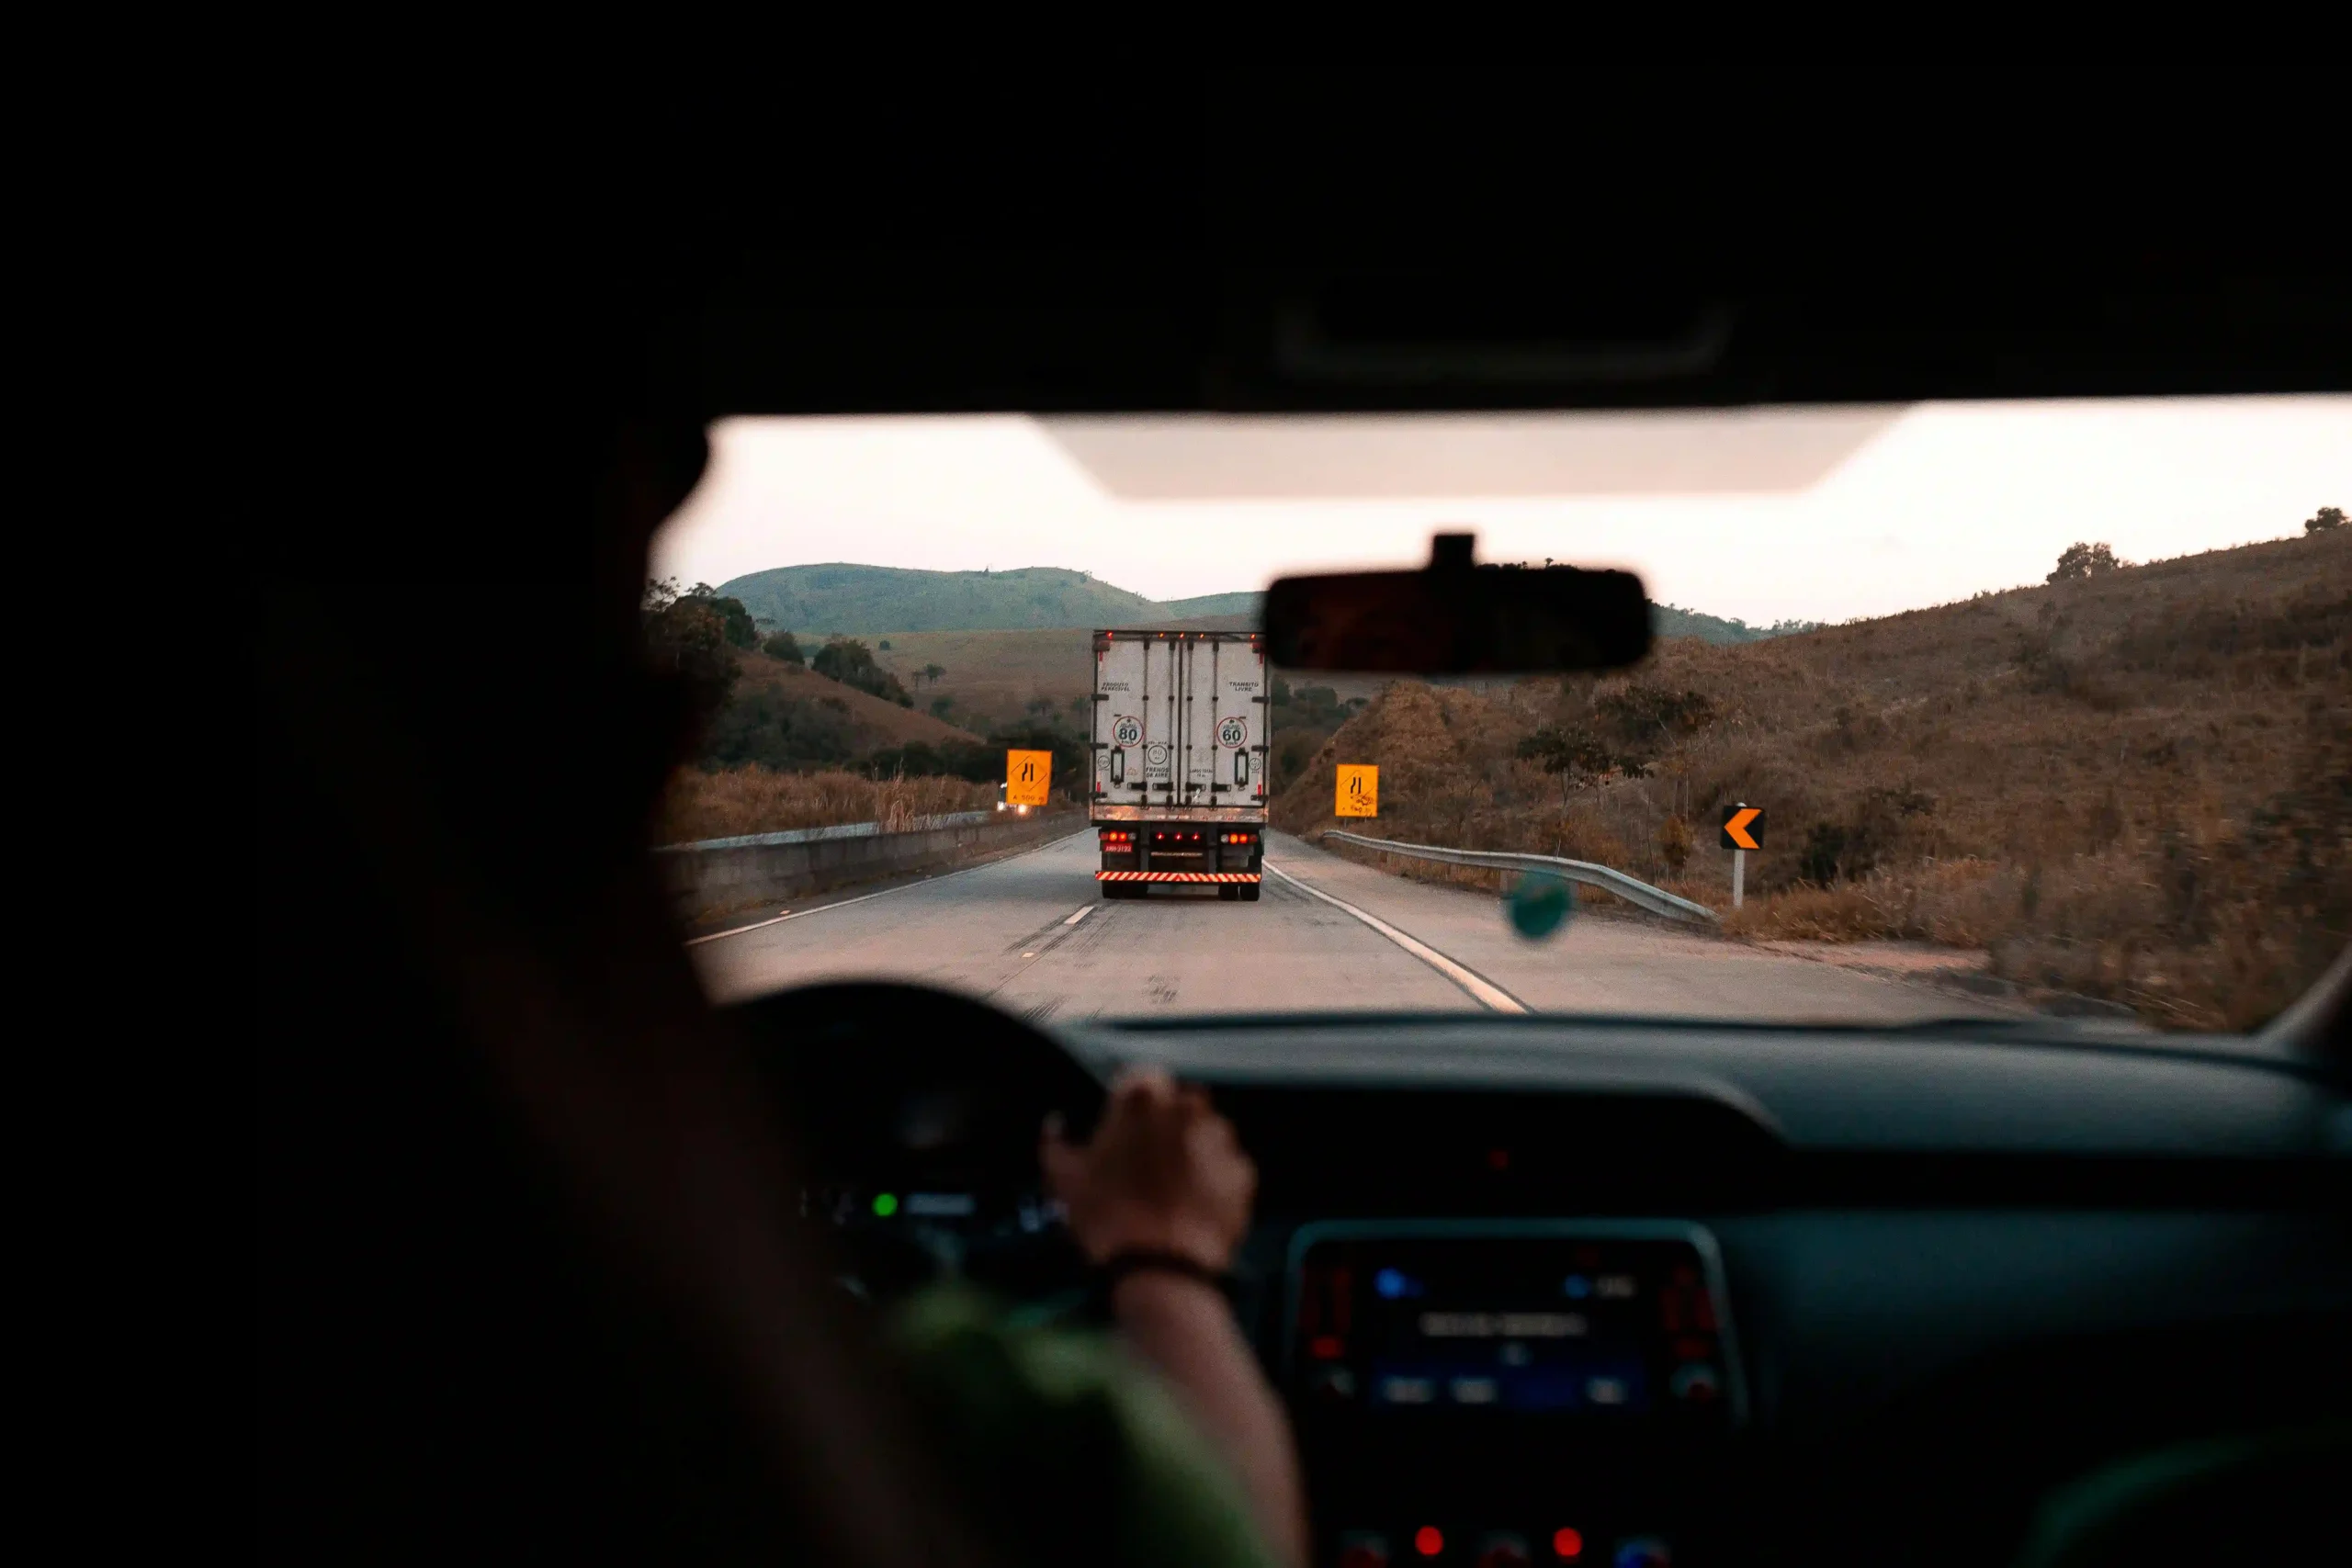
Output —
(718, 875)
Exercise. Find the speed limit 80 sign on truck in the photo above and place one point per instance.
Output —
(1179, 795)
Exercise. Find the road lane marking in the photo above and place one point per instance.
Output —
(884, 893)
(1477, 985)
(1085, 910)
(738, 931)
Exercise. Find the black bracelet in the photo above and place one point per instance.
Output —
(1118, 1266)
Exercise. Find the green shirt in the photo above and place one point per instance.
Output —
(1074, 1451)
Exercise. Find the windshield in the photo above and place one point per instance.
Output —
(1989, 710)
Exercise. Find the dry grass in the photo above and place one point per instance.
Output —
(873, 721)
(2137, 788)
(993, 675)
(753, 800)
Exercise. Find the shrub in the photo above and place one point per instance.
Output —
(1674, 843)
(783, 646)
(851, 663)
(2329, 519)
(2079, 560)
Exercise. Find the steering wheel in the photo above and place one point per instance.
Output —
(899, 1096)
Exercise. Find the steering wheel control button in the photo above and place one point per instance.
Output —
(1474, 1391)
(1406, 1391)
(1502, 1550)
(1644, 1551)
(1696, 1382)
(1363, 1549)
(1332, 1386)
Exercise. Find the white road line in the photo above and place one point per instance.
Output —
(1477, 985)
(885, 893)
(738, 931)
(1082, 914)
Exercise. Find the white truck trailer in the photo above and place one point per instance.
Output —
(1180, 761)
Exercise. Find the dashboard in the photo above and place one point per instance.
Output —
(1637, 1292)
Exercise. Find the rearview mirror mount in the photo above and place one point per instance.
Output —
(1455, 617)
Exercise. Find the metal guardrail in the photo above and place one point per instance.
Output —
(1635, 891)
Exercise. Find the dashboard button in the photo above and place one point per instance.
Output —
(1334, 1385)
(1697, 1382)
(1644, 1551)
(1503, 1550)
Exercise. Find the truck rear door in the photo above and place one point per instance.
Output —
(1133, 718)
(1223, 722)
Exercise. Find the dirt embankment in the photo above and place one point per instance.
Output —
(2137, 786)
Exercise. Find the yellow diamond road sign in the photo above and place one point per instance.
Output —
(1359, 790)
(1027, 776)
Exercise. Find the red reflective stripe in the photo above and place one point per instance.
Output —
(1177, 876)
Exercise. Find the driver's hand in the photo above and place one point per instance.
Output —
(1163, 1173)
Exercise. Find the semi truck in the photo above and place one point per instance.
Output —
(1179, 795)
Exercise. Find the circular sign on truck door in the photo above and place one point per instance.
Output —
(1125, 730)
(1232, 732)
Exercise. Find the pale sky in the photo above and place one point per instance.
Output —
(1761, 514)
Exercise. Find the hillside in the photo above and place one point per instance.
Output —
(881, 601)
(861, 600)
(1241, 608)
(2137, 786)
(782, 716)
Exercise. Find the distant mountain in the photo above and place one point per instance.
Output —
(858, 600)
(867, 601)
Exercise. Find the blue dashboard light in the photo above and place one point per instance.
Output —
(1391, 1283)
(1577, 1287)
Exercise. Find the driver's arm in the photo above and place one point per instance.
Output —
(1164, 1173)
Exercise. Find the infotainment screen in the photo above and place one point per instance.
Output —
(1602, 1322)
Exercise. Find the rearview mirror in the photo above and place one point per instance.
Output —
(1458, 619)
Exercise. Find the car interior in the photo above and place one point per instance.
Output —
(1765, 1293)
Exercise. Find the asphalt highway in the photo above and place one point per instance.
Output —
(1032, 934)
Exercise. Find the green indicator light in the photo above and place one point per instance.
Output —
(886, 1204)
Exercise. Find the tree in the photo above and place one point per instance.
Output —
(845, 659)
(931, 672)
(939, 706)
(687, 639)
(2079, 560)
(784, 645)
(884, 644)
(2330, 518)
(734, 621)
(851, 663)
